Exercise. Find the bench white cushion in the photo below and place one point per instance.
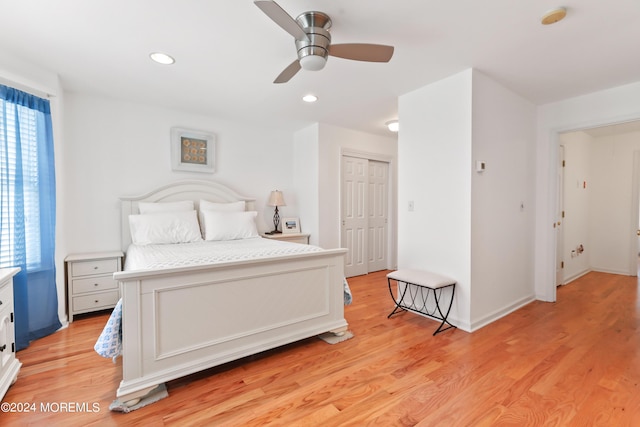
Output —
(421, 277)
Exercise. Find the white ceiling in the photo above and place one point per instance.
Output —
(228, 52)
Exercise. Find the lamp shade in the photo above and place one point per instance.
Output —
(276, 198)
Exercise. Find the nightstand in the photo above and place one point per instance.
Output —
(289, 237)
(90, 284)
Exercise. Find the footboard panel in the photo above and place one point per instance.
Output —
(180, 321)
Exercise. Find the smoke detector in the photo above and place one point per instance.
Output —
(553, 16)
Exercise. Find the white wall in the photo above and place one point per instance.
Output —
(611, 223)
(306, 180)
(605, 107)
(434, 172)
(502, 201)
(474, 227)
(577, 148)
(115, 148)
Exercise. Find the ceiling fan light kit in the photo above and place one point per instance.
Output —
(313, 41)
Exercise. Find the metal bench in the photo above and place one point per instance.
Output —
(415, 287)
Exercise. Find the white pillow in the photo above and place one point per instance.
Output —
(151, 207)
(206, 205)
(230, 225)
(162, 228)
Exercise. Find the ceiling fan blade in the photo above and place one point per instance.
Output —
(282, 18)
(288, 72)
(362, 52)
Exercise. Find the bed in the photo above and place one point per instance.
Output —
(179, 318)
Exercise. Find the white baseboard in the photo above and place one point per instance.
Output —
(606, 270)
(573, 277)
(492, 317)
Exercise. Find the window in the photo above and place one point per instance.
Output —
(11, 238)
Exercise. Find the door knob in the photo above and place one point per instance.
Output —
(638, 232)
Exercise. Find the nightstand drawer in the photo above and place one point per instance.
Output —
(86, 268)
(95, 301)
(90, 284)
(6, 296)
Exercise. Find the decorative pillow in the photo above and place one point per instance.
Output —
(150, 207)
(206, 205)
(162, 228)
(230, 225)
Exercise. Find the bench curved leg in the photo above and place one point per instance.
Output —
(398, 307)
(444, 316)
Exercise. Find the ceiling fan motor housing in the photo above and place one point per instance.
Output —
(313, 53)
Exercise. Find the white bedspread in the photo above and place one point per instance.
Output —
(207, 252)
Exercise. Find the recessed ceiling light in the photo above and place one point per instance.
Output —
(393, 125)
(553, 16)
(162, 58)
(310, 98)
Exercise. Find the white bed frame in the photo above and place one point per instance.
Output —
(182, 320)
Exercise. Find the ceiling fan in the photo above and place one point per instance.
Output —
(313, 41)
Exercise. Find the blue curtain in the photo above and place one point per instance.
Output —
(28, 211)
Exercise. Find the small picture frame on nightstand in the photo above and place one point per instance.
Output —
(290, 225)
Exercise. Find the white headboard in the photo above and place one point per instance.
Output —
(180, 190)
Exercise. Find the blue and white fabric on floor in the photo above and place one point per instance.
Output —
(347, 293)
(109, 343)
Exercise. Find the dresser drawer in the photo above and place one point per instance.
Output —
(95, 301)
(86, 268)
(91, 284)
(6, 295)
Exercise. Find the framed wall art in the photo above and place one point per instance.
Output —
(192, 150)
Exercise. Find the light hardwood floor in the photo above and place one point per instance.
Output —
(574, 362)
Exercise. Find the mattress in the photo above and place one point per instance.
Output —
(152, 257)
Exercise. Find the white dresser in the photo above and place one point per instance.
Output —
(9, 364)
(90, 284)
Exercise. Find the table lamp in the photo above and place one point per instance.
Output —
(276, 199)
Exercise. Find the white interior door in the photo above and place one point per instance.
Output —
(354, 217)
(378, 215)
(559, 218)
(634, 257)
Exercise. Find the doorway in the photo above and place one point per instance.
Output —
(635, 214)
(611, 237)
(558, 225)
(365, 189)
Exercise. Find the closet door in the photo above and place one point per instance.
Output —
(377, 212)
(354, 216)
